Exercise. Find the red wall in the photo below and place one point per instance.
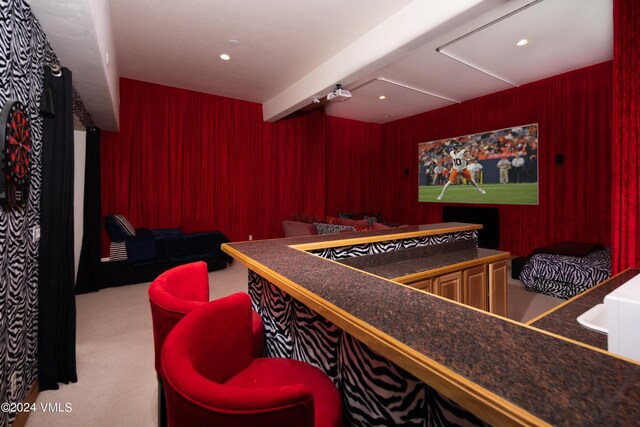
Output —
(185, 156)
(573, 111)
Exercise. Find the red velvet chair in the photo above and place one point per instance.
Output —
(174, 294)
(212, 378)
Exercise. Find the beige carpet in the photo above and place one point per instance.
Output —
(524, 305)
(116, 378)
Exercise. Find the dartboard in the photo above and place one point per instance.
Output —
(16, 154)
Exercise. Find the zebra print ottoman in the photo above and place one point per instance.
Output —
(564, 276)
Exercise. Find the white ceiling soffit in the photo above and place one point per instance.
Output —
(386, 42)
(79, 32)
(550, 34)
(564, 35)
(365, 104)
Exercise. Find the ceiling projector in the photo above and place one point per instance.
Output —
(338, 94)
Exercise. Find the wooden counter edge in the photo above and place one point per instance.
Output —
(575, 298)
(505, 256)
(480, 401)
(562, 337)
(350, 241)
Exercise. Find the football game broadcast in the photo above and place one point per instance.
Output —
(494, 167)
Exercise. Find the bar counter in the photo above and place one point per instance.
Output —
(501, 371)
(561, 320)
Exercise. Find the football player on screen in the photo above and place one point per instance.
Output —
(459, 158)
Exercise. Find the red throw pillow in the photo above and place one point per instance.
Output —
(363, 227)
(332, 220)
(198, 227)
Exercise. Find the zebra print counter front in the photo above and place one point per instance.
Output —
(375, 391)
(342, 252)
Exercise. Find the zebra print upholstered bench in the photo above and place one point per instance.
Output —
(566, 269)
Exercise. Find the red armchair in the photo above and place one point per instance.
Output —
(212, 378)
(174, 294)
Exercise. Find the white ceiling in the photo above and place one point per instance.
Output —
(287, 51)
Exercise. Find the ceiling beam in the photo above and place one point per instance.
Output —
(382, 45)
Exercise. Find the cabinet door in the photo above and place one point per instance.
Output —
(449, 286)
(425, 285)
(498, 288)
(475, 291)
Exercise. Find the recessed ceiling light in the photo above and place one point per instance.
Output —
(225, 57)
(522, 42)
(382, 97)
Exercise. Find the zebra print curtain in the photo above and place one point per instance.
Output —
(56, 296)
(23, 51)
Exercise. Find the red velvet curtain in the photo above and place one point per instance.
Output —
(187, 157)
(573, 111)
(289, 174)
(184, 157)
(625, 214)
(180, 158)
(353, 172)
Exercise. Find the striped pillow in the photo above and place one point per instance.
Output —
(332, 220)
(118, 228)
(117, 251)
(127, 228)
(363, 227)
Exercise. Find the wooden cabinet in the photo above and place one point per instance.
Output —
(482, 286)
(475, 291)
(449, 286)
(425, 285)
(498, 288)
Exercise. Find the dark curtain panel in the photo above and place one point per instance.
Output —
(625, 241)
(88, 268)
(56, 300)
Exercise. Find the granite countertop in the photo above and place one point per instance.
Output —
(551, 378)
(563, 319)
(431, 262)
